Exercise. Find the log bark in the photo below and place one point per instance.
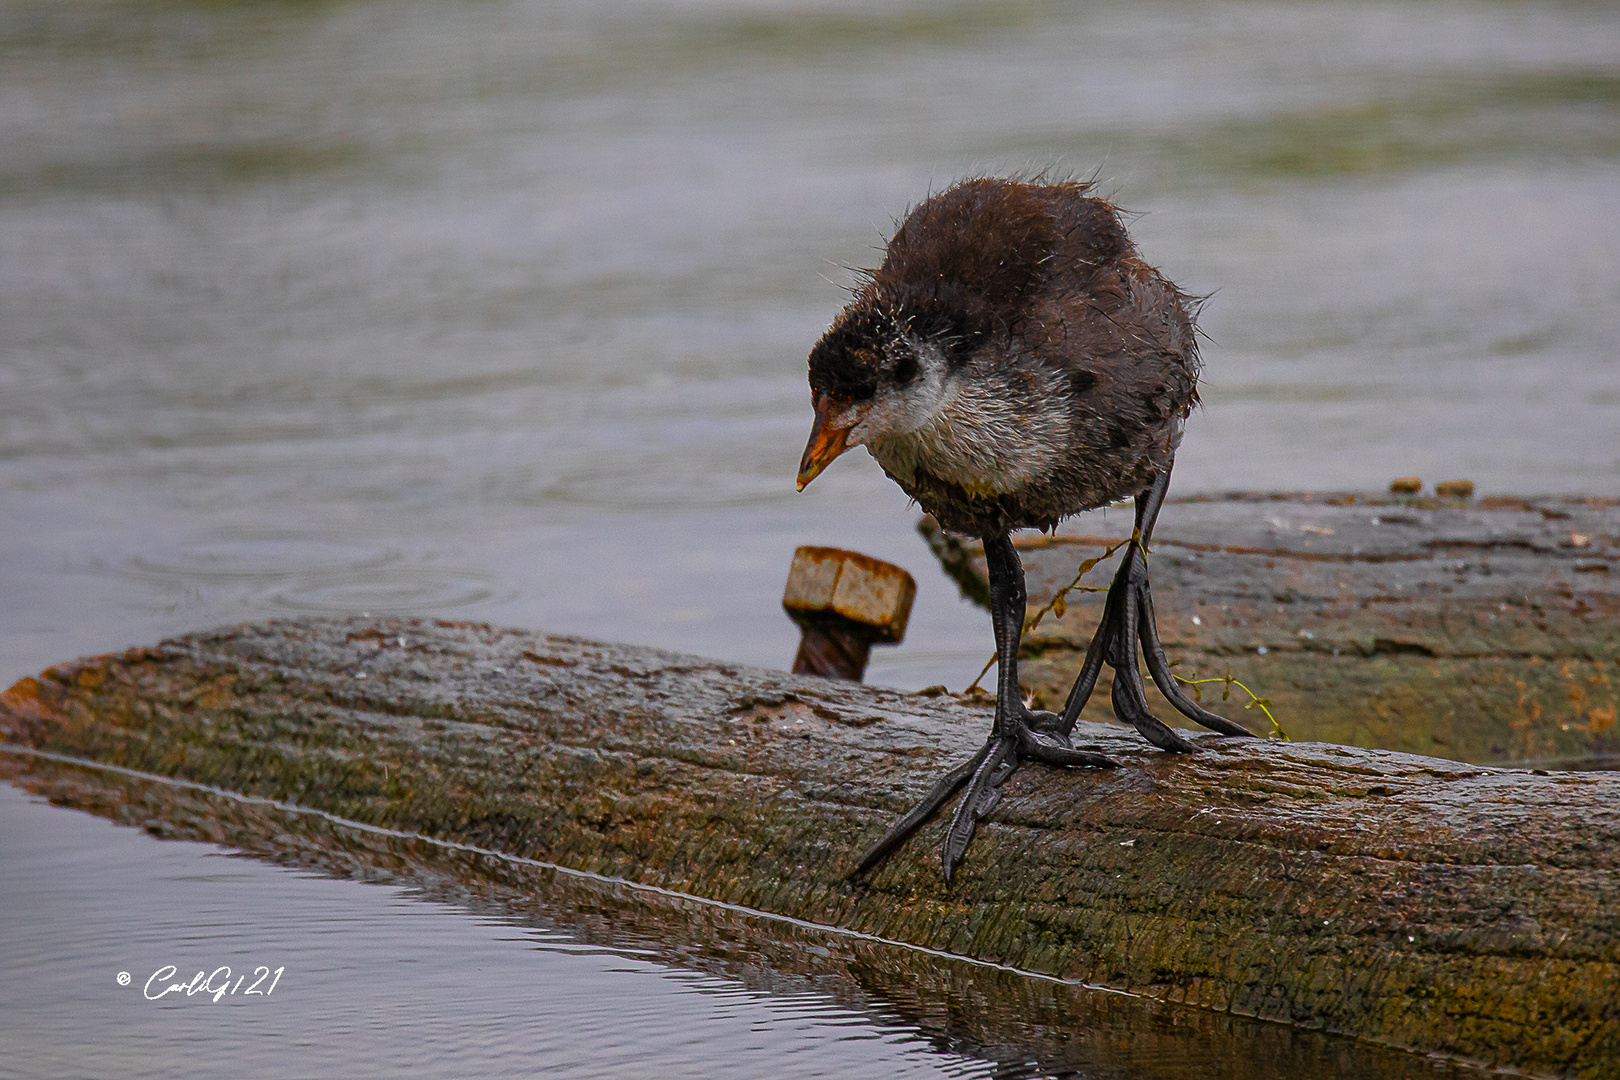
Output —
(1414, 902)
(1483, 631)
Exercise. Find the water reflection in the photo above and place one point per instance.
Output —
(554, 973)
(376, 982)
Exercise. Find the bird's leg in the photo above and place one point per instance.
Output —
(1128, 621)
(1017, 733)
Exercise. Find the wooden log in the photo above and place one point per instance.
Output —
(1414, 902)
(1483, 631)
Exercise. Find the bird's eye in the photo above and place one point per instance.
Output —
(905, 369)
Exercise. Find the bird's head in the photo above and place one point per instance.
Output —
(871, 378)
(953, 283)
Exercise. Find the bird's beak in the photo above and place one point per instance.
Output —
(826, 440)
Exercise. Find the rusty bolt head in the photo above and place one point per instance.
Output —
(1455, 489)
(830, 583)
(1406, 485)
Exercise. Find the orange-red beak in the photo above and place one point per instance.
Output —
(826, 441)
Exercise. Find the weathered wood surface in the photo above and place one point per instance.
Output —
(1483, 631)
(1415, 902)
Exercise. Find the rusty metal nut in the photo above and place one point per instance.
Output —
(1405, 485)
(828, 583)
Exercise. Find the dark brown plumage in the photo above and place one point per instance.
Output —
(1012, 362)
(1037, 292)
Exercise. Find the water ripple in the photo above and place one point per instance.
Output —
(389, 590)
(258, 556)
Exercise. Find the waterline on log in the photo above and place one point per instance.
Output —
(567, 871)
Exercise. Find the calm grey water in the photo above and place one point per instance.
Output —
(362, 981)
(499, 310)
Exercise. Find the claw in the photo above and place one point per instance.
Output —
(960, 834)
(1054, 748)
(1126, 623)
(984, 791)
(957, 839)
(1050, 723)
(986, 801)
(983, 776)
(1159, 667)
(1130, 704)
(918, 815)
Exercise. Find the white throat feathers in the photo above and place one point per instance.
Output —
(988, 431)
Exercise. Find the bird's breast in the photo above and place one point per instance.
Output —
(987, 438)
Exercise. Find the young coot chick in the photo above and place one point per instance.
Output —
(1012, 362)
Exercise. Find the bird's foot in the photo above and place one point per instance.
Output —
(1034, 736)
(1128, 622)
